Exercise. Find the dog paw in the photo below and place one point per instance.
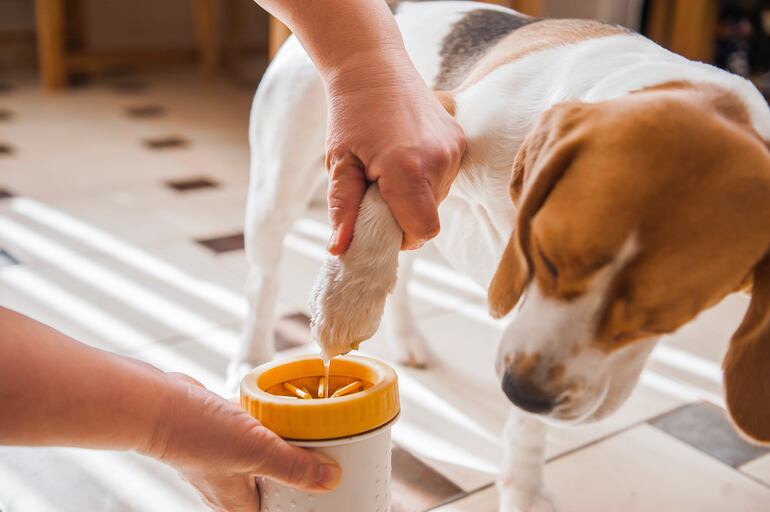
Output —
(348, 298)
(513, 500)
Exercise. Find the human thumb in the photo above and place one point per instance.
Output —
(297, 467)
(347, 185)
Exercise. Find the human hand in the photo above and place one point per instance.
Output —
(220, 449)
(388, 127)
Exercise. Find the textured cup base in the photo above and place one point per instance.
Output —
(365, 485)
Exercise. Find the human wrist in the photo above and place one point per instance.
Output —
(377, 69)
(173, 398)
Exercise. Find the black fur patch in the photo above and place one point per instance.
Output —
(469, 39)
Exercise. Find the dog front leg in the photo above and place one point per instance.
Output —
(520, 483)
(348, 298)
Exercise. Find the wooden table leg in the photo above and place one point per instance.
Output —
(50, 43)
(206, 30)
(278, 34)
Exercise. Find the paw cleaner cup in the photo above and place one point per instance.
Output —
(347, 418)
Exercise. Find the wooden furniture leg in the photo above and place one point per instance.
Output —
(694, 26)
(278, 34)
(529, 7)
(206, 29)
(50, 43)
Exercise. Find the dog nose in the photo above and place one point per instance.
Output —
(526, 396)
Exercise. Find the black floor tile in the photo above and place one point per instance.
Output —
(292, 331)
(6, 114)
(5, 87)
(6, 259)
(707, 428)
(146, 111)
(169, 142)
(415, 486)
(223, 243)
(5, 193)
(6, 149)
(185, 185)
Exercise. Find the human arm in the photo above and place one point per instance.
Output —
(56, 391)
(384, 124)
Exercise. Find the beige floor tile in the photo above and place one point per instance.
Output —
(205, 357)
(128, 300)
(70, 479)
(481, 501)
(471, 410)
(644, 469)
(693, 355)
(644, 403)
(759, 469)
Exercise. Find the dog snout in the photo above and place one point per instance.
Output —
(526, 395)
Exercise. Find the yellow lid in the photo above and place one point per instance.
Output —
(269, 393)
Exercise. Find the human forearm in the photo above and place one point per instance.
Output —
(56, 391)
(347, 37)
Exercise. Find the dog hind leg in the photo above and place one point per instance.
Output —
(407, 344)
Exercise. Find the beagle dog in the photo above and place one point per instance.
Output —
(611, 191)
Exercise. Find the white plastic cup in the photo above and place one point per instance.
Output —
(353, 429)
(365, 485)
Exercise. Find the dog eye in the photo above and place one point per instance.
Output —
(549, 265)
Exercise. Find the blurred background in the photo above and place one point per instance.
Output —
(123, 175)
(67, 41)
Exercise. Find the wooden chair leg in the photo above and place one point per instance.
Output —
(659, 23)
(206, 29)
(694, 26)
(278, 34)
(529, 7)
(233, 37)
(50, 43)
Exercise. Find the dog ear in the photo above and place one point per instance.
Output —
(747, 363)
(541, 161)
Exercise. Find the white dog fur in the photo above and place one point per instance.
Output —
(287, 140)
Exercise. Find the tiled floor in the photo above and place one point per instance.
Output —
(121, 217)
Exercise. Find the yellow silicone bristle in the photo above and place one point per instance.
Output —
(299, 393)
(346, 390)
(322, 387)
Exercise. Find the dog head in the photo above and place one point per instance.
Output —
(634, 215)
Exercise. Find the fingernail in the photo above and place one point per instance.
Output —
(332, 241)
(329, 473)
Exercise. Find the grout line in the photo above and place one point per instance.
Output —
(462, 496)
(719, 461)
(613, 434)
